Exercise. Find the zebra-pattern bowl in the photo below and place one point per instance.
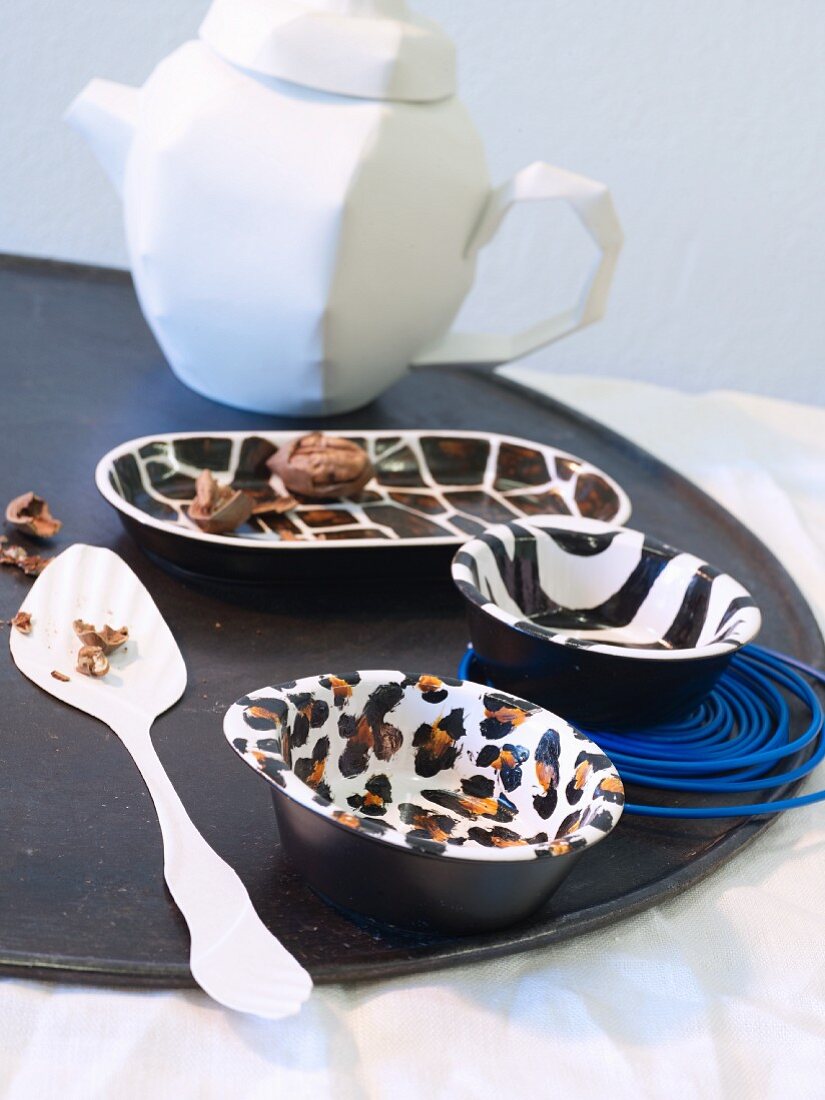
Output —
(606, 625)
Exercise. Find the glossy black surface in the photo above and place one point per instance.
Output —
(588, 688)
(410, 890)
(82, 894)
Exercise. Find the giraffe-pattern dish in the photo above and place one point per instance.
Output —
(607, 625)
(431, 492)
(422, 801)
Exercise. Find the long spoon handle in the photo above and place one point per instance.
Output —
(233, 956)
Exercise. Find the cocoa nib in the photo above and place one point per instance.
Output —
(31, 564)
(22, 621)
(321, 467)
(106, 639)
(218, 509)
(30, 513)
(92, 661)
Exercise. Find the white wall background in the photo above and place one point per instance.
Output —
(706, 118)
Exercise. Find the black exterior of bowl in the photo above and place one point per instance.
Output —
(588, 688)
(414, 890)
(198, 559)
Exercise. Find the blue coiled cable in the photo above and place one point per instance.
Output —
(731, 744)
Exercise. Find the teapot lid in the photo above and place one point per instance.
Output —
(374, 49)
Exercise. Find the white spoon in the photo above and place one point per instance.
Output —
(233, 957)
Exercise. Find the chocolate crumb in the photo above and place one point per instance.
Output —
(22, 621)
(30, 513)
(319, 467)
(60, 676)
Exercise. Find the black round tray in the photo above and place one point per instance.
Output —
(82, 895)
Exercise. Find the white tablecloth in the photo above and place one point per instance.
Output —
(718, 993)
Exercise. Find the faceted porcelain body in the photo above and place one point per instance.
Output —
(294, 250)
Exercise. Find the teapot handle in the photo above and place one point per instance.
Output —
(593, 205)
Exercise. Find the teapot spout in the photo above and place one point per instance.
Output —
(105, 114)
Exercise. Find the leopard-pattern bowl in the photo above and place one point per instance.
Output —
(425, 802)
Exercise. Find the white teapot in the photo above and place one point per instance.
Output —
(304, 199)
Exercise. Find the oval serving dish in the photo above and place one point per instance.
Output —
(606, 625)
(422, 802)
(431, 492)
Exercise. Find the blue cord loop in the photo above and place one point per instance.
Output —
(732, 743)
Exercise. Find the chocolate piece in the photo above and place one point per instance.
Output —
(22, 621)
(92, 661)
(218, 509)
(268, 498)
(107, 638)
(30, 514)
(34, 565)
(277, 505)
(322, 467)
(31, 564)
